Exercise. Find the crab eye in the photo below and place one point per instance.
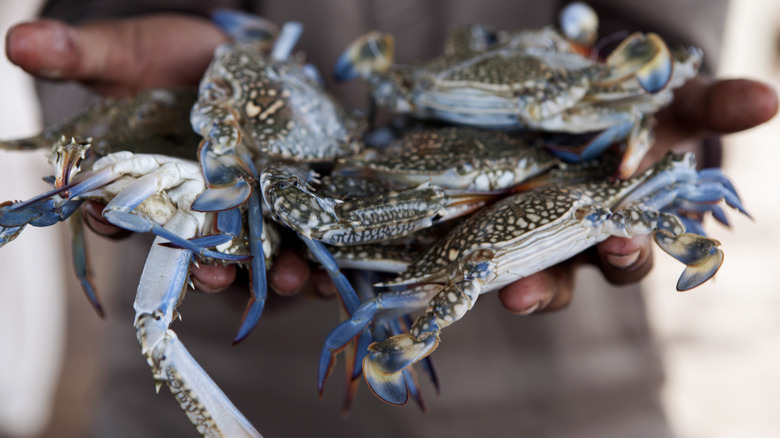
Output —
(488, 35)
(465, 168)
(217, 89)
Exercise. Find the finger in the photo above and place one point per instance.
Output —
(289, 273)
(213, 278)
(711, 106)
(322, 284)
(92, 213)
(117, 57)
(547, 290)
(624, 261)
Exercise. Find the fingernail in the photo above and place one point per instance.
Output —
(622, 261)
(529, 310)
(45, 48)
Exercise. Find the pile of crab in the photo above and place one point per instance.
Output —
(534, 160)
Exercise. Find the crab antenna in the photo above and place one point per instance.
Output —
(291, 31)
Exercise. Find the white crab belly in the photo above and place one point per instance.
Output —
(540, 252)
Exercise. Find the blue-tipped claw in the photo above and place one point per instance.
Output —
(388, 387)
(401, 351)
(42, 213)
(257, 269)
(646, 57)
(656, 74)
(700, 254)
(695, 275)
(228, 179)
(223, 198)
(371, 53)
(344, 70)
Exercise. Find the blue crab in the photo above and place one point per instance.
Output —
(153, 120)
(424, 178)
(577, 32)
(147, 192)
(523, 234)
(264, 116)
(524, 83)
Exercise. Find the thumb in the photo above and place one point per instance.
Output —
(117, 57)
(724, 106)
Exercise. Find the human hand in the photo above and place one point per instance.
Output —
(703, 107)
(122, 57)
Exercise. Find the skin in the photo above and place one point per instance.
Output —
(169, 50)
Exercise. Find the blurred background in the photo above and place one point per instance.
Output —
(720, 342)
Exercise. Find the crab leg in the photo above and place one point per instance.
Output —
(254, 307)
(346, 292)
(162, 284)
(629, 126)
(172, 174)
(228, 225)
(81, 261)
(40, 211)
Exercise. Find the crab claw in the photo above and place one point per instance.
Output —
(700, 254)
(227, 177)
(391, 388)
(579, 23)
(371, 53)
(41, 211)
(384, 365)
(646, 57)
